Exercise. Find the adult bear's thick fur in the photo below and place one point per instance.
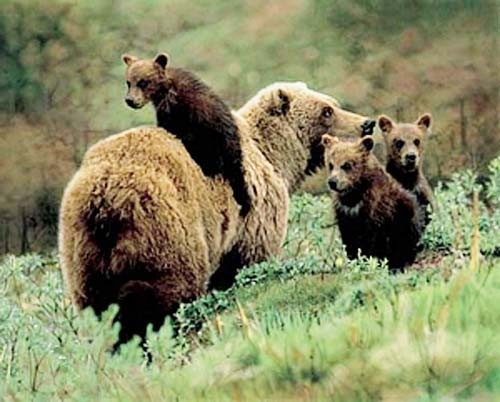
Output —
(142, 226)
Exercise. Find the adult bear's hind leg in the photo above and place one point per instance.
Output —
(144, 302)
(225, 276)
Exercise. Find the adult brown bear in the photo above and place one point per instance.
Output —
(143, 227)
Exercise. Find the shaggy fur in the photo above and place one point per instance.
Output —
(405, 148)
(374, 213)
(190, 110)
(142, 226)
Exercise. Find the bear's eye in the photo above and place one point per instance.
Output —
(347, 166)
(416, 142)
(142, 84)
(399, 144)
(327, 111)
(330, 166)
(128, 84)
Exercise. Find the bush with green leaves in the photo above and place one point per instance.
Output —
(452, 222)
(314, 247)
(307, 325)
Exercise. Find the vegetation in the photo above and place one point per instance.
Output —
(309, 325)
(62, 85)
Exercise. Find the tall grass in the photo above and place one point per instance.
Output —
(309, 325)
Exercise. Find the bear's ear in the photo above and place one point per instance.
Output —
(280, 103)
(128, 59)
(327, 140)
(385, 124)
(424, 121)
(162, 59)
(367, 143)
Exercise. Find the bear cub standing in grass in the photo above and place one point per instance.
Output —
(405, 147)
(374, 213)
(190, 110)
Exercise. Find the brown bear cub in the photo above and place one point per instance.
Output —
(190, 110)
(374, 213)
(405, 149)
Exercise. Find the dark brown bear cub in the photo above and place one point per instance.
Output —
(190, 110)
(374, 213)
(405, 148)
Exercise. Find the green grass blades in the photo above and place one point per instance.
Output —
(308, 325)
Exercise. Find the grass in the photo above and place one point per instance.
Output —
(306, 326)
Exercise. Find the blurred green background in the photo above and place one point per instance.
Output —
(62, 85)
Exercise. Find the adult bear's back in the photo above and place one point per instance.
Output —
(139, 210)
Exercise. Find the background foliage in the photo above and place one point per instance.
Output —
(62, 86)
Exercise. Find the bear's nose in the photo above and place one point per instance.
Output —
(367, 127)
(411, 157)
(332, 183)
(131, 103)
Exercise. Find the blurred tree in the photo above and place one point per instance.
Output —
(54, 58)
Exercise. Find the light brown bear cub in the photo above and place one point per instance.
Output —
(405, 148)
(190, 110)
(374, 213)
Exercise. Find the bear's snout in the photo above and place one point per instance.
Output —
(367, 127)
(130, 102)
(332, 183)
(411, 160)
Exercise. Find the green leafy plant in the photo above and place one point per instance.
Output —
(309, 319)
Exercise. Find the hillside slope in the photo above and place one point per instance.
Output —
(308, 326)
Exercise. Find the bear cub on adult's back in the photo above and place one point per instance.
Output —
(190, 110)
(374, 213)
